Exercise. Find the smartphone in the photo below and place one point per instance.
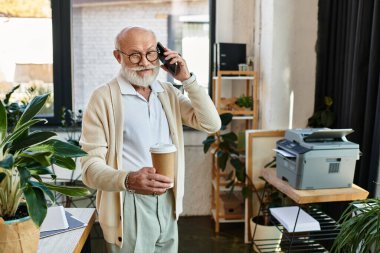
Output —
(172, 68)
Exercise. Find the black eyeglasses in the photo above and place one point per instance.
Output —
(135, 58)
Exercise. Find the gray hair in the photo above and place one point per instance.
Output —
(126, 29)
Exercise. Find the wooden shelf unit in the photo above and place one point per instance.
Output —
(251, 89)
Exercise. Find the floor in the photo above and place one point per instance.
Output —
(196, 234)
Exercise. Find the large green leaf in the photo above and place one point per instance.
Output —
(20, 131)
(222, 159)
(65, 162)
(58, 147)
(40, 171)
(207, 143)
(44, 189)
(42, 158)
(32, 109)
(3, 121)
(24, 176)
(229, 137)
(226, 118)
(7, 162)
(69, 191)
(32, 139)
(239, 168)
(36, 202)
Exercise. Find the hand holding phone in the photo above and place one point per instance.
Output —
(172, 68)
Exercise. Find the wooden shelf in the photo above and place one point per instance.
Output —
(251, 89)
(235, 112)
(314, 196)
(230, 218)
(235, 77)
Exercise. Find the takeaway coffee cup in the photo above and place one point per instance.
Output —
(163, 159)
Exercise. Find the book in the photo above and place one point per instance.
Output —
(73, 223)
(287, 216)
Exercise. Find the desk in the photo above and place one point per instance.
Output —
(313, 196)
(71, 241)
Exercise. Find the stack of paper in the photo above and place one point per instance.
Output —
(287, 216)
(59, 221)
(55, 219)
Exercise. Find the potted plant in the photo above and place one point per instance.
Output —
(224, 145)
(359, 228)
(25, 155)
(245, 102)
(324, 117)
(263, 231)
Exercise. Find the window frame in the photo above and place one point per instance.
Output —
(62, 60)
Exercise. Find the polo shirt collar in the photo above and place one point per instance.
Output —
(126, 87)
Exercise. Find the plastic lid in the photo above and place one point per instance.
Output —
(163, 148)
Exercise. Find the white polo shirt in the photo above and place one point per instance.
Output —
(145, 124)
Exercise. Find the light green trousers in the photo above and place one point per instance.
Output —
(149, 225)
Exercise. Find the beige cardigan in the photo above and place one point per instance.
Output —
(102, 139)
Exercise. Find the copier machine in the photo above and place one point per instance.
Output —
(316, 158)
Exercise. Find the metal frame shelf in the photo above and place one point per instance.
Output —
(303, 241)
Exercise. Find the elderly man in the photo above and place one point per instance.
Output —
(138, 208)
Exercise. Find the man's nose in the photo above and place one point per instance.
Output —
(144, 61)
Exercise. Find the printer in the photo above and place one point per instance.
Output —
(316, 158)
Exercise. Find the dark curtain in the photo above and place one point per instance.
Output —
(348, 70)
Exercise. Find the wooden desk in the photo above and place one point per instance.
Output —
(313, 196)
(71, 241)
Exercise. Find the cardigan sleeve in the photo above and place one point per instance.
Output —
(198, 111)
(95, 140)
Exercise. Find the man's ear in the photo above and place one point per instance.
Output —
(117, 55)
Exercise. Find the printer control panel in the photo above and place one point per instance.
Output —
(292, 146)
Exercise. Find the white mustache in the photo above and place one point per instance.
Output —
(143, 68)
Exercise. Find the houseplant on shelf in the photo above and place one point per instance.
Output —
(24, 157)
(224, 145)
(359, 228)
(245, 102)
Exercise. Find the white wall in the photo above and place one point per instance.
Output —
(287, 62)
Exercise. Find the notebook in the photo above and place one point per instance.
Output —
(72, 223)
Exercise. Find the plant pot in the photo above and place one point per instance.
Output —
(20, 235)
(266, 237)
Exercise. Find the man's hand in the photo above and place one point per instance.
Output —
(174, 57)
(146, 181)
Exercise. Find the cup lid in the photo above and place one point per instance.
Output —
(163, 148)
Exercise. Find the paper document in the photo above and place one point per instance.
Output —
(284, 153)
(287, 216)
(55, 219)
(73, 222)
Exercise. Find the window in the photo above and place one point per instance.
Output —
(35, 53)
(69, 44)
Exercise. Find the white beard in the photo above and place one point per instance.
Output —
(131, 75)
